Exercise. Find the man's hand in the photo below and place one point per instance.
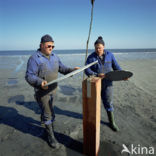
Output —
(43, 85)
(76, 68)
(101, 75)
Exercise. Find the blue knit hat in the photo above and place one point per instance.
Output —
(46, 38)
(99, 41)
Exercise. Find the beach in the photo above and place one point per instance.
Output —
(134, 103)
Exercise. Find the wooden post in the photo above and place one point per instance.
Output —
(91, 88)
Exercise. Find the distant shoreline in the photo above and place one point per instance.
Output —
(111, 49)
(74, 51)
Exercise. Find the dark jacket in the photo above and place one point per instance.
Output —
(40, 68)
(110, 64)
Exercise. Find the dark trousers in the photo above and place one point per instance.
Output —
(46, 105)
(107, 95)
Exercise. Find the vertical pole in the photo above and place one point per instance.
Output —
(91, 88)
(90, 28)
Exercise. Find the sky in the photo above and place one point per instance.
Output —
(122, 23)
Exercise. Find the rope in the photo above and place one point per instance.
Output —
(90, 28)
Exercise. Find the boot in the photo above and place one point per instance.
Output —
(113, 126)
(51, 138)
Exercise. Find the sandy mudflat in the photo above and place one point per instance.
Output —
(135, 112)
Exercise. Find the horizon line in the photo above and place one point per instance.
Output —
(84, 49)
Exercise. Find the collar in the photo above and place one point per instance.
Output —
(41, 54)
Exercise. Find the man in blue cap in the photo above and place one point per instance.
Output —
(42, 67)
(106, 62)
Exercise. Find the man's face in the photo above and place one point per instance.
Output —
(99, 49)
(47, 47)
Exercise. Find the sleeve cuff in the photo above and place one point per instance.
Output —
(39, 82)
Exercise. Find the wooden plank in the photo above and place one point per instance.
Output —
(91, 115)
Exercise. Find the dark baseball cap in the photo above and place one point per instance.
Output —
(46, 38)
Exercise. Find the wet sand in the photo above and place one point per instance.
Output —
(135, 114)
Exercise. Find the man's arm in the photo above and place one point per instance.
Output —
(32, 73)
(65, 70)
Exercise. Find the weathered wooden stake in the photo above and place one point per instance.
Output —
(91, 88)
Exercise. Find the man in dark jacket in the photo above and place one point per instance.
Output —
(106, 62)
(42, 67)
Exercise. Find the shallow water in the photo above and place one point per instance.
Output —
(17, 63)
(12, 81)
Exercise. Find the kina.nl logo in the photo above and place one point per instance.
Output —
(138, 150)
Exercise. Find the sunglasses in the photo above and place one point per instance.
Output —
(50, 46)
